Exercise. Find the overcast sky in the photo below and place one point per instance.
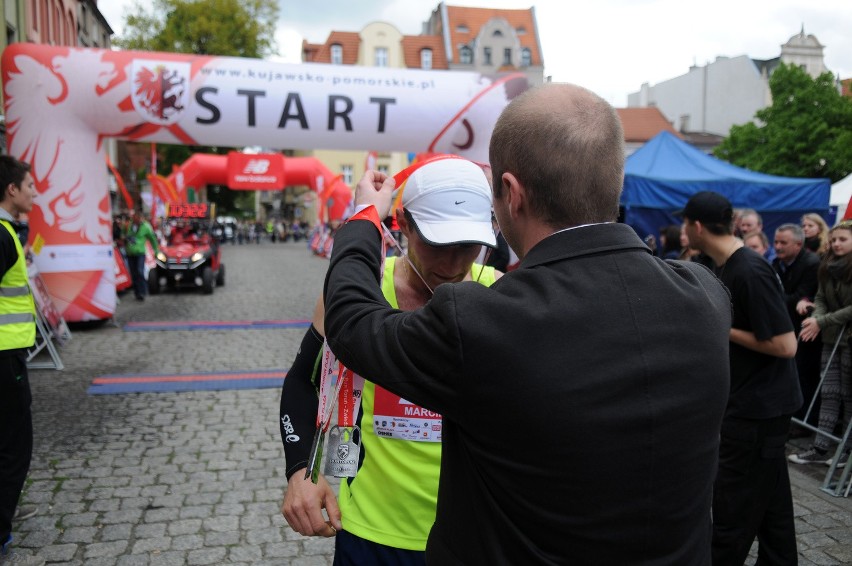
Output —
(608, 46)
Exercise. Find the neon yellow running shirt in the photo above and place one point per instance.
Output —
(393, 497)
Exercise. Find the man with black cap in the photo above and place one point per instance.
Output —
(752, 491)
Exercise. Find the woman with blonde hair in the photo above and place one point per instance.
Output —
(816, 233)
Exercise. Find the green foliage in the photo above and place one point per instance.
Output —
(238, 28)
(806, 132)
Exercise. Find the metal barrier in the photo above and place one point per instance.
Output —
(838, 487)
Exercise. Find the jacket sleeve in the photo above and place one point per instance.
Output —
(807, 287)
(299, 401)
(152, 237)
(415, 354)
(824, 317)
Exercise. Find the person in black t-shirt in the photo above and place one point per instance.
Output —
(751, 495)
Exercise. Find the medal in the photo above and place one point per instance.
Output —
(330, 384)
(344, 449)
(340, 387)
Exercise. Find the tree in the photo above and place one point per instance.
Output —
(806, 132)
(235, 28)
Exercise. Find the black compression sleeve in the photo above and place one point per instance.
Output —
(299, 401)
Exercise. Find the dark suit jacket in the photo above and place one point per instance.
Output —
(799, 280)
(582, 396)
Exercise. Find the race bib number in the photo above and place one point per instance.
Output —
(395, 417)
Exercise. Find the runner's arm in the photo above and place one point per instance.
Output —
(299, 401)
(304, 500)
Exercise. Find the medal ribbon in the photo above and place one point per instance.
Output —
(330, 384)
(350, 397)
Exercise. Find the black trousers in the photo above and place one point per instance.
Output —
(751, 496)
(352, 550)
(16, 435)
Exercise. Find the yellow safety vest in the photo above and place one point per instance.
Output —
(17, 308)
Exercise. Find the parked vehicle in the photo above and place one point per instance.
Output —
(192, 257)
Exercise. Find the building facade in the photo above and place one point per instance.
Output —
(489, 40)
(484, 40)
(92, 28)
(709, 99)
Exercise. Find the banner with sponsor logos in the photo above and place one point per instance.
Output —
(61, 102)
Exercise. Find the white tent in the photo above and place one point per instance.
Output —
(841, 192)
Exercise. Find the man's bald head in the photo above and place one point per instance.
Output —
(565, 144)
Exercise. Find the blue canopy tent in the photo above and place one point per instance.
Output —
(661, 176)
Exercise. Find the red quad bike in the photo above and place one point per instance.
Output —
(192, 257)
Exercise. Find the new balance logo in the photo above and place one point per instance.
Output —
(256, 167)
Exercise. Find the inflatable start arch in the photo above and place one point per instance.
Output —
(241, 171)
(62, 102)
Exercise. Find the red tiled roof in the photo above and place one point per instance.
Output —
(413, 44)
(309, 51)
(846, 87)
(642, 124)
(321, 53)
(474, 18)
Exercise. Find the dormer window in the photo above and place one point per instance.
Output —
(461, 28)
(336, 54)
(521, 30)
(381, 56)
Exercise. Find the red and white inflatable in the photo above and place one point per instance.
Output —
(62, 102)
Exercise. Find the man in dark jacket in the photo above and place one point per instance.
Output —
(797, 268)
(575, 430)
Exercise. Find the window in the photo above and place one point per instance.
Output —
(381, 56)
(336, 54)
(383, 169)
(426, 59)
(486, 55)
(57, 30)
(497, 33)
(526, 57)
(346, 171)
(461, 28)
(521, 30)
(507, 56)
(465, 55)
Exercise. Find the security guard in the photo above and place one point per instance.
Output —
(17, 333)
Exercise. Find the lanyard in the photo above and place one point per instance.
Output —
(350, 397)
(337, 384)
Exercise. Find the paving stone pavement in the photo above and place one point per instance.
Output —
(197, 477)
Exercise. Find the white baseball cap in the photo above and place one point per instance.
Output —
(450, 202)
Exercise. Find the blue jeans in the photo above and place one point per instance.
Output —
(136, 264)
